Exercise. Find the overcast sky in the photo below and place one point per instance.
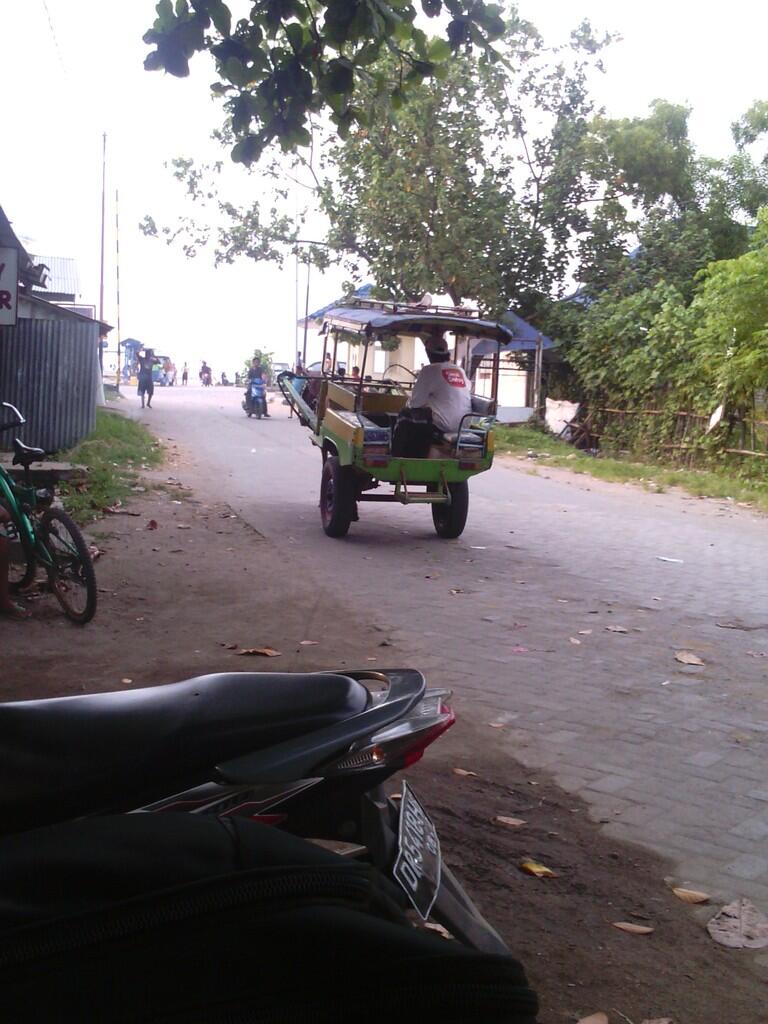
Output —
(67, 78)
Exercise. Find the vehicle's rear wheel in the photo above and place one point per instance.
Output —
(338, 505)
(450, 520)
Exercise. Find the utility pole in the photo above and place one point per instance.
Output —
(306, 321)
(117, 282)
(101, 280)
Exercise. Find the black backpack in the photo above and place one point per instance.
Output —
(174, 917)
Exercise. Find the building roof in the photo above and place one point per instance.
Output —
(61, 312)
(29, 274)
(63, 278)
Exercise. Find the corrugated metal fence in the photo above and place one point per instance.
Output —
(48, 370)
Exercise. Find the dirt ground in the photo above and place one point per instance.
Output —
(173, 601)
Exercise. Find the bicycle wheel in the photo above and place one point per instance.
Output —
(22, 564)
(72, 578)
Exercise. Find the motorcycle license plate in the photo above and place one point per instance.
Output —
(417, 867)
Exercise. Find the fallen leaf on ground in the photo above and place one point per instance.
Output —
(691, 895)
(456, 590)
(595, 1018)
(574, 640)
(757, 654)
(265, 652)
(308, 643)
(739, 925)
(151, 525)
(617, 629)
(519, 650)
(496, 725)
(585, 632)
(688, 658)
(464, 772)
(231, 647)
(532, 867)
(183, 526)
(126, 681)
(512, 822)
(633, 929)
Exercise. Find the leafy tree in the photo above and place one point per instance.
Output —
(752, 126)
(289, 59)
(731, 315)
(476, 188)
(614, 357)
(266, 361)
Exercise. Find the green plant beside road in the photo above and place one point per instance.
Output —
(710, 483)
(114, 454)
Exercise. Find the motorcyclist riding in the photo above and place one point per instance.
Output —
(256, 371)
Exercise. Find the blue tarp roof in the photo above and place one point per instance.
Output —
(363, 292)
(416, 322)
(519, 335)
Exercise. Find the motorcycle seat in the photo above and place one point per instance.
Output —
(68, 756)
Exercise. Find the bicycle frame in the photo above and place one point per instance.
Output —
(22, 520)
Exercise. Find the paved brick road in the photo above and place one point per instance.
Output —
(667, 755)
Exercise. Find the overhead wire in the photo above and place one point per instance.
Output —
(54, 37)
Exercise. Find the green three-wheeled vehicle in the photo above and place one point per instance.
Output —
(366, 429)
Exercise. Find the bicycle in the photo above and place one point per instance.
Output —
(45, 536)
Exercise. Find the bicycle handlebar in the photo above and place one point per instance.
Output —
(20, 421)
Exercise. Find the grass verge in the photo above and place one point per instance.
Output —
(707, 483)
(115, 453)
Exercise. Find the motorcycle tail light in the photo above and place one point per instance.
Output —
(404, 742)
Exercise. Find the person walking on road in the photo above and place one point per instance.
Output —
(146, 384)
(185, 375)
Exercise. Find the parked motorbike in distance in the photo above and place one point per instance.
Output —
(255, 400)
(307, 753)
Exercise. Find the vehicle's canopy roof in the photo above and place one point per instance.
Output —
(372, 320)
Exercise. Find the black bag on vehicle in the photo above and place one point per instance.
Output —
(413, 433)
(183, 918)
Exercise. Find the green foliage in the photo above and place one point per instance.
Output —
(648, 158)
(475, 189)
(265, 359)
(752, 126)
(114, 454)
(289, 59)
(731, 485)
(731, 322)
(617, 356)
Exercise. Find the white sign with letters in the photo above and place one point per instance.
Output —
(9, 285)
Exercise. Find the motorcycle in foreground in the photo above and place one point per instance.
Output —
(255, 401)
(307, 753)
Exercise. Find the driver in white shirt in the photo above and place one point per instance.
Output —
(442, 387)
